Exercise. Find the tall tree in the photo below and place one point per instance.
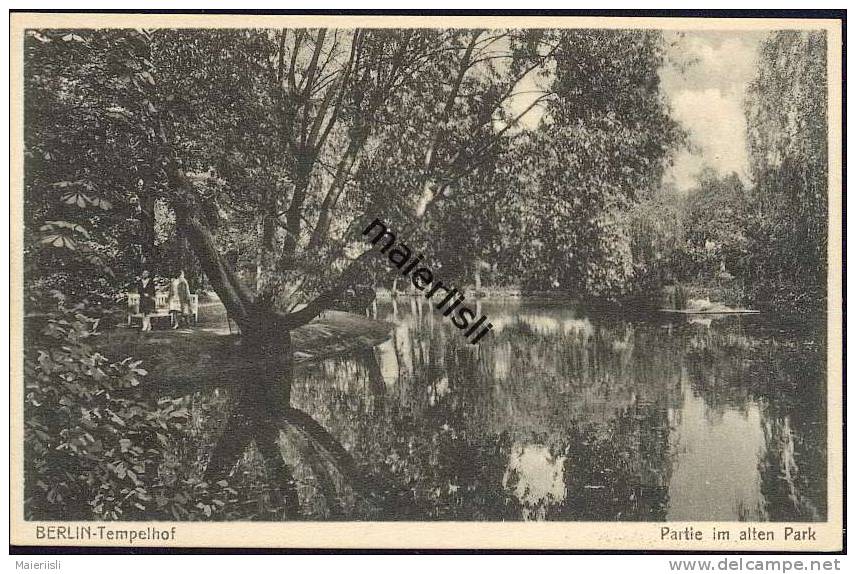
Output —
(603, 144)
(786, 112)
(716, 222)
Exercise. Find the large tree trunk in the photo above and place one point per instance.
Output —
(262, 404)
(190, 218)
(264, 416)
(266, 360)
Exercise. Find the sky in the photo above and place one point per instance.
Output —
(706, 97)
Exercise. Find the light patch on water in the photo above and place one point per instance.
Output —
(580, 326)
(389, 367)
(549, 325)
(716, 461)
(501, 322)
(536, 478)
(438, 390)
(540, 323)
(502, 361)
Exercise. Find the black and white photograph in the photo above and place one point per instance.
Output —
(401, 274)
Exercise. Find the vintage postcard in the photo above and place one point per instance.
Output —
(446, 282)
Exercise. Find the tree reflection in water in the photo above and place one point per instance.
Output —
(563, 415)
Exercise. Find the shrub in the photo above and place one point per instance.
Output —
(94, 446)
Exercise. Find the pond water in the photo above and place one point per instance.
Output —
(564, 413)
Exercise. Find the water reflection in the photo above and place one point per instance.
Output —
(563, 414)
(536, 478)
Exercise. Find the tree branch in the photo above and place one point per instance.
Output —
(327, 298)
(234, 294)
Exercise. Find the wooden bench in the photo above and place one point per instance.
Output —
(161, 308)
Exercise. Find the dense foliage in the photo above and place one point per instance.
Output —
(97, 444)
(786, 113)
(295, 138)
(602, 146)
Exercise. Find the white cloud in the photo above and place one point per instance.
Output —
(707, 99)
(717, 129)
(728, 64)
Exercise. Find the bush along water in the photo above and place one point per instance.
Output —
(95, 447)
